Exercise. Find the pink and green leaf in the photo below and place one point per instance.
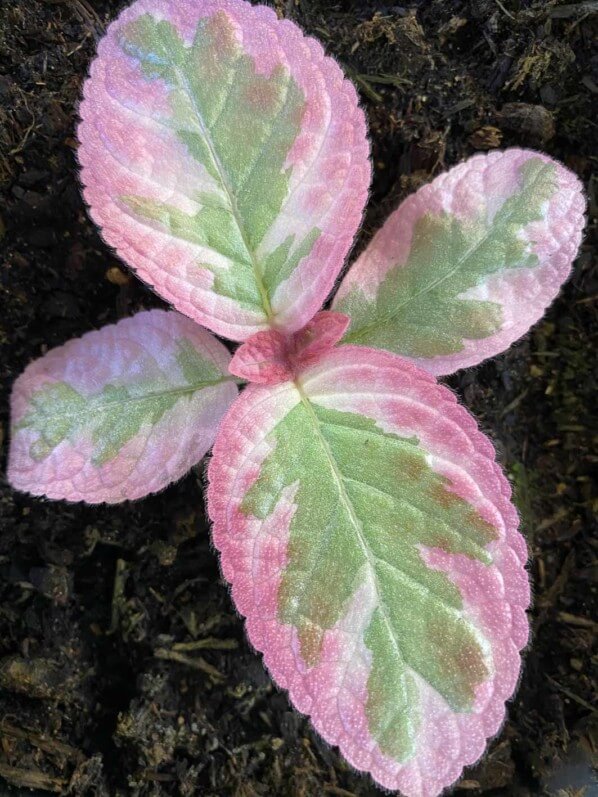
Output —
(468, 263)
(225, 158)
(372, 546)
(272, 356)
(120, 412)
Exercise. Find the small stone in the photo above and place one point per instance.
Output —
(117, 276)
(19, 261)
(531, 122)
(549, 95)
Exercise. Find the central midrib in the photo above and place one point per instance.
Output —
(107, 405)
(257, 271)
(357, 334)
(346, 502)
(370, 556)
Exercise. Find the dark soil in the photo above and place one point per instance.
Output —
(123, 667)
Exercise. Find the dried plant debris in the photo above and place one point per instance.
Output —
(108, 616)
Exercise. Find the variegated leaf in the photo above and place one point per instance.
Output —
(225, 158)
(271, 356)
(369, 538)
(467, 264)
(120, 412)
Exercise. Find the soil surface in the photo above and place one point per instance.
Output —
(124, 668)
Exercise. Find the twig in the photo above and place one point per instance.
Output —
(118, 590)
(503, 9)
(50, 746)
(21, 145)
(196, 663)
(572, 695)
(572, 9)
(209, 643)
(580, 622)
(32, 779)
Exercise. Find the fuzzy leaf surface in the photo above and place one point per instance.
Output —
(270, 357)
(370, 541)
(225, 158)
(468, 263)
(120, 412)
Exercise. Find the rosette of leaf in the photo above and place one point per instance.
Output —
(361, 517)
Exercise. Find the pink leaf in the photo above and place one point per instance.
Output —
(120, 412)
(371, 543)
(467, 264)
(271, 357)
(225, 158)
